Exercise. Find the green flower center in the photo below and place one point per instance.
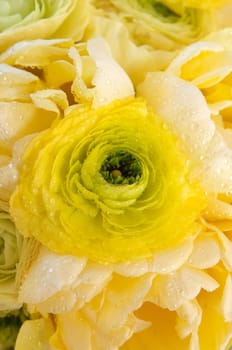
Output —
(121, 168)
(163, 10)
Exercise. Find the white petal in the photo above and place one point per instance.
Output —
(11, 75)
(49, 274)
(206, 253)
(183, 107)
(171, 291)
(111, 81)
(122, 297)
(189, 318)
(50, 100)
(170, 260)
(185, 110)
(133, 268)
(15, 54)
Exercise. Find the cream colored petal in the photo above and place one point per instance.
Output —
(133, 269)
(136, 60)
(72, 329)
(122, 297)
(58, 73)
(170, 260)
(222, 37)
(91, 281)
(218, 209)
(9, 171)
(76, 327)
(8, 180)
(118, 336)
(206, 252)
(110, 80)
(59, 302)
(79, 89)
(19, 119)
(51, 100)
(94, 274)
(11, 75)
(183, 107)
(189, 318)
(35, 53)
(212, 78)
(171, 291)
(48, 274)
(191, 52)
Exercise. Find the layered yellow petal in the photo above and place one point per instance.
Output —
(77, 200)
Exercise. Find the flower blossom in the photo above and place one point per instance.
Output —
(42, 19)
(83, 184)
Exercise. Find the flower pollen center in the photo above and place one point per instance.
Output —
(121, 168)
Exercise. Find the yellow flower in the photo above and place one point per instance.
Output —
(113, 175)
(42, 19)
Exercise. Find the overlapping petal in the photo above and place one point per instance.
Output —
(166, 25)
(80, 202)
(127, 305)
(42, 19)
(39, 79)
(129, 252)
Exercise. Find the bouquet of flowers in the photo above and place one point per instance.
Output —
(116, 175)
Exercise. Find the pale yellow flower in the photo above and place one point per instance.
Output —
(26, 20)
(144, 35)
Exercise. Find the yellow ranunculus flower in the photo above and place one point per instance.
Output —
(104, 178)
(42, 19)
